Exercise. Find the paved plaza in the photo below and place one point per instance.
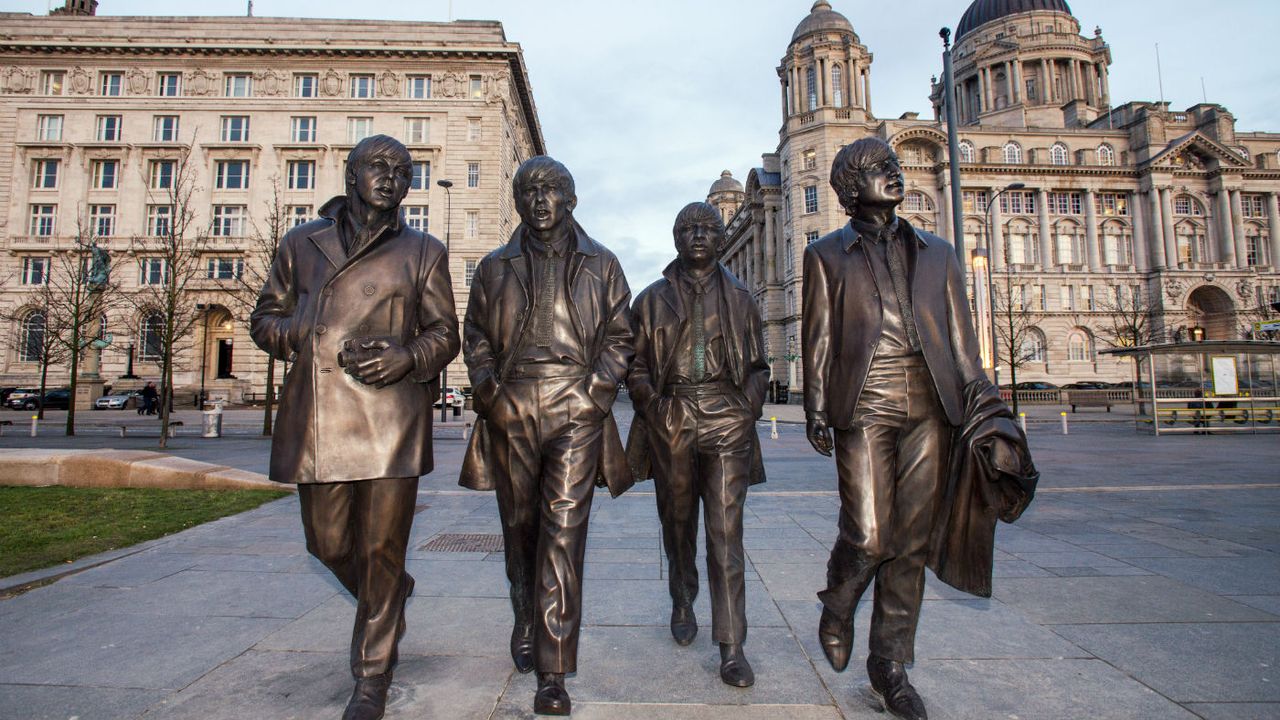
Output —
(1143, 582)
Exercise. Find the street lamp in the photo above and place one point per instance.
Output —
(989, 217)
(983, 302)
(444, 372)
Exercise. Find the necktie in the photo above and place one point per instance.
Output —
(699, 334)
(898, 273)
(547, 299)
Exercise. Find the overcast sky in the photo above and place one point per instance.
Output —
(647, 101)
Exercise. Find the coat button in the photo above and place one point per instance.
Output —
(321, 329)
(369, 289)
(364, 327)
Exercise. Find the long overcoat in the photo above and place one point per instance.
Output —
(331, 427)
(498, 314)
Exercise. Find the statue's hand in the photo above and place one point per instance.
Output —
(378, 362)
(818, 433)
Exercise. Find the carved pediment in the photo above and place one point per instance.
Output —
(1197, 152)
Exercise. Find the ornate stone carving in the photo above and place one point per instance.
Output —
(81, 81)
(453, 84)
(1244, 289)
(139, 81)
(18, 80)
(388, 84)
(499, 87)
(331, 84)
(201, 82)
(1173, 289)
(270, 83)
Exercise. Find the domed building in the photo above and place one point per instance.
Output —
(726, 195)
(1129, 214)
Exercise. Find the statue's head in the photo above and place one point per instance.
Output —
(699, 234)
(867, 172)
(544, 193)
(379, 169)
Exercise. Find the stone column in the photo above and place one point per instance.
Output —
(771, 247)
(988, 96)
(1047, 258)
(866, 89)
(1106, 84)
(821, 69)
(997, 245)
(1160, 258)
(1141, 257)
(786, 86)
(1166, 220)
(1093, 247)
(1237, 229)
(1018, 90)
(1073, 91)
(855, 74)
(1226, 234)
(1273, 226)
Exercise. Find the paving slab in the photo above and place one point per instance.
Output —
(54, 702)
(1117, 600)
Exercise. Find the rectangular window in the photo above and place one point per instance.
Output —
(49, 128)
(415, 216)
(359, 128)
(160, 174)
(473, 224)
(108, 128)
(811, 237)
(810, 160)
(1062, 203)
(231, 175)
(51, 82)
(810, 199)
(361, 86)
(302, 174)
(238, 85)
(159, 220)
(106, 174)
(35, 270)
(469, 271)
(165, 128)
(302, 129)
(473, 174)
(1038, 297)
(42, 220)
(477, 87)
(305, 86)
(102, 220)
(44, 174)
(417, 130)
(974, 201)
(1018, 202)
(790, 262)
(1106, 203)
(235, 128)
(1067, 296)
(110, 84)
(229, 220)
(152, 271)
(421, 179)
(169, 84)
(297, 214)
(1254, 205)
(418, 87)
(1087, 299)
(224, 268)
(473, 129)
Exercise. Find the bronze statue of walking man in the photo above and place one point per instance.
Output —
(547, 340)
(698, 386)
(363, 304)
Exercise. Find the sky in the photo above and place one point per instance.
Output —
(647, 101)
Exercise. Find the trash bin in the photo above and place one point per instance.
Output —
(211, 425)
(457, 410)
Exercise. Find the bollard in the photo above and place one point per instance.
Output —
(773, 427)
(1022, 418)
(35, 419)
(1064, 423)
(466, 432)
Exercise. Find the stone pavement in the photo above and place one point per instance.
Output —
(1144, 582)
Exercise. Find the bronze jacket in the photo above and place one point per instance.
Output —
(498, 313)
(842, 322)
(331, 427)
(659, 318)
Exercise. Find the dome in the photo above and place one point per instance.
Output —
(982, 12)
(821, 17)
(726, 183)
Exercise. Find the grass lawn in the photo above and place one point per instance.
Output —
(45, 526)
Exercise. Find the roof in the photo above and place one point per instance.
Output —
(1225, 347)
(726, 183)
(821, 17)
(982, 12)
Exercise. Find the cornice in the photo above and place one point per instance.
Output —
(319, 49)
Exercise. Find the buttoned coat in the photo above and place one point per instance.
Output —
(498, 314)
(843, 322)
(331, 427)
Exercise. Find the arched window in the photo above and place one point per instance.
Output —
(1032, 346)
(916, 201)
(1012, 153)
(967, 153)
(1106, 155)
(1058, 154)
(1079, 346)
(152, 335)
(1187, 206)
(837, 85)
(811, 85)
(31, 342)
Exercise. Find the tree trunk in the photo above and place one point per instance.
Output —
(44, 379)
(166, 390)
(75, 369)
(271, 396)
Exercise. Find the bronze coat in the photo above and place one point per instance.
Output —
(497, 315)
(331, 427)
(842, 304)
(659, 318)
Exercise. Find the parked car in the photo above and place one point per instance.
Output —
(5, 393)
(1087, 385)
(59, 399)
(13, 400)
(1030, 385)
(117, 401)
(453, 396)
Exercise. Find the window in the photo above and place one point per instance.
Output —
(1032, 349)
(1067, 297)
(469, 271)
(110, 84)
(1188, 206)
(974, 201)
(473, 224)
(1018, 202)
(415, 216)
(108, 128)
(1065, 203)
(417, 130)
(1087, 299)
(811, 88)
(302, 174)
(1058, 154)
(418, 87)
(967, 153)
(160, 174)
(1012, 153)
(421, 179)
(1038, 298)
(1254, 242)
(35, 270)
(811, 237)
(106, 174)
(1106, 203)
(297, 214)
(1117, 244)
(1020, 247)
(169, 84)
(225, 268)
(44, 174)
(31, 344)
(473, 129)
(49, 128)
(239, 85)
(232, 175)
(1253, 205)
(152, 271)
(810, 199)
(917, 202)
(229, 220)
(1106, 155)
(235, 128)
(1079, 349)
(359, 128)
(302, 129)
(473, 174)
(42, 220)
(1191, 242)
(789, 261)
(102, 220)
(152, 334)
(164, 128)
(791, 305)
(477, 87)
(361, 86)
(51, 82)
(1070, 245)
(159, 220)
(837, 83)
(305, 86)
(809, 161)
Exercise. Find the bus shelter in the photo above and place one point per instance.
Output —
(1215, 386)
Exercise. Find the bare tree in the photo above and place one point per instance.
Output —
(37, 337)
(1016, 324)
(1127, 321)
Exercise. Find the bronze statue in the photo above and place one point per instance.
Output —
(363, 304)
(547, 339)
(698, 384)
(891, 366)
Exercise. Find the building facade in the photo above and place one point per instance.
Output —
(1135, 207)
(96, 112)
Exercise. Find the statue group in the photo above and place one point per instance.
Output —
(926, 453)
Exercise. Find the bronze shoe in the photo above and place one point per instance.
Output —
(734, 668)
(551, 698)
(684, 626)
(522, 647)
(369, 699)
(836, 637)
(890, 686)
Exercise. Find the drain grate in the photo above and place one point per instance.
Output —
(463, 542)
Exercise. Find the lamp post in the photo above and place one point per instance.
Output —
(989, 217)
(953, 143)
(444, 373)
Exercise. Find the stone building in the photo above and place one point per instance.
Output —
(1176, 208)
(94, 111)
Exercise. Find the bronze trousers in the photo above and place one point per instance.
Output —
(546, 432)
(701, 447)
(892, 465)
(360, 531)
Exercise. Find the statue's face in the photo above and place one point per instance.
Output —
(382, 181)
(696, 241)
(880, 182)
(542, 203)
